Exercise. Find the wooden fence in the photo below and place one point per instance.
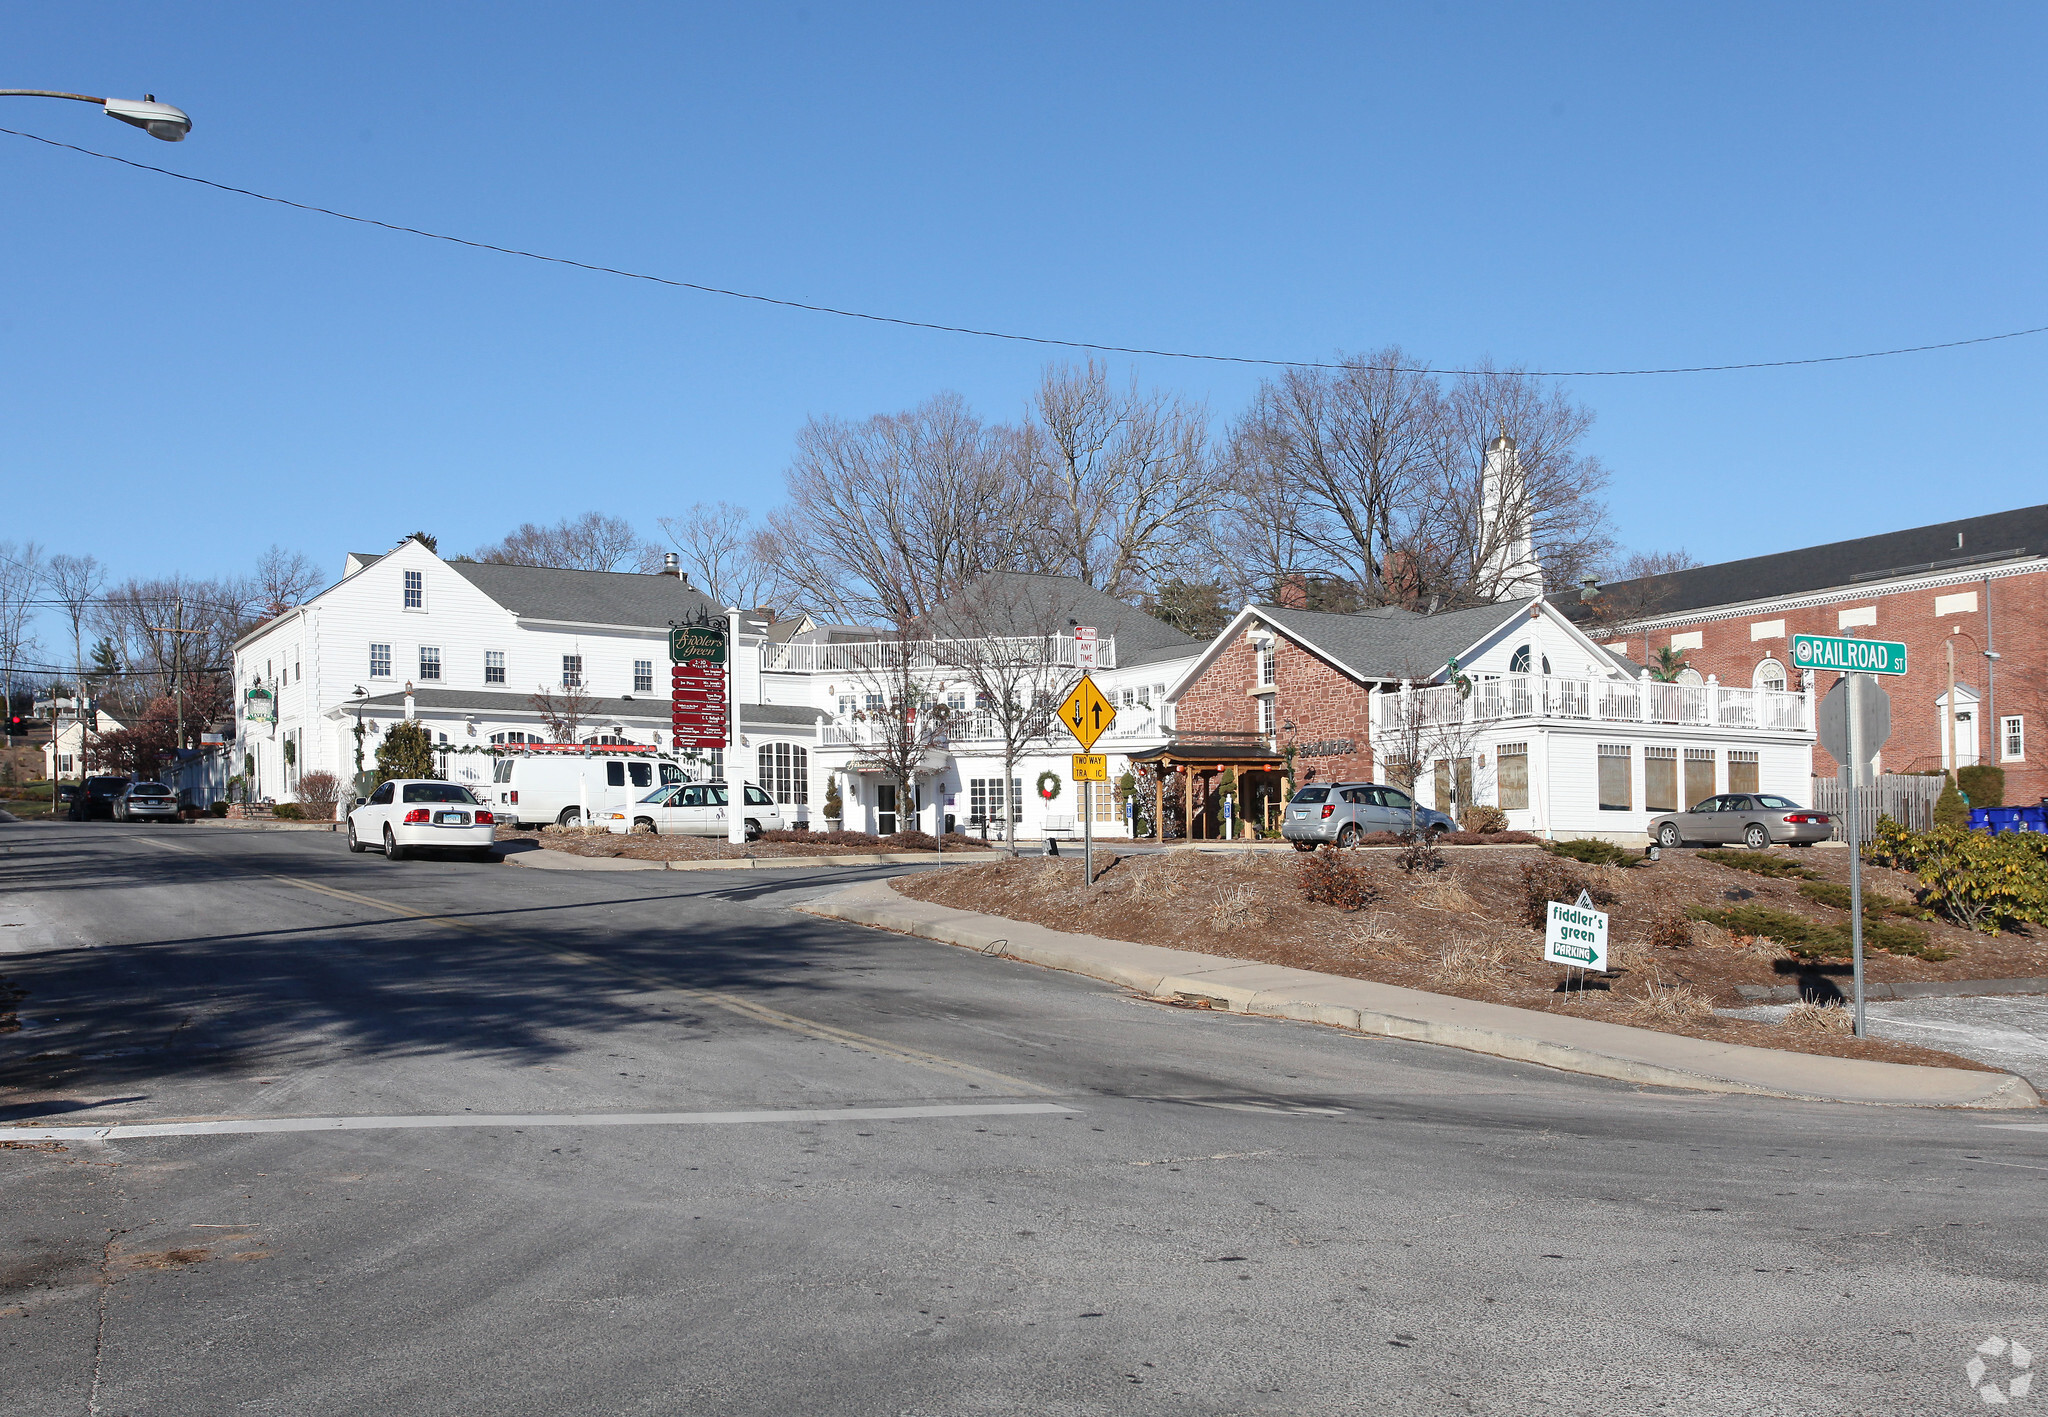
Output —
(1907, 800)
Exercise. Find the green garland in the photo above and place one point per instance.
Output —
(1049, 785)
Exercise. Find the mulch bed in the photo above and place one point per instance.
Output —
(1462, 931)
(642, 847)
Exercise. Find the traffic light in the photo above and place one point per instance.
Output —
(17, 726)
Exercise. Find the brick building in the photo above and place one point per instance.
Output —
(1565, 735)
(1979, 585)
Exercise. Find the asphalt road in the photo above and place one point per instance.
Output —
(1205, 1214)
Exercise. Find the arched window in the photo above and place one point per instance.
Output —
(1769, 675)
(1690, 676)
(1518, 662)
(515, 737)
(786, 773)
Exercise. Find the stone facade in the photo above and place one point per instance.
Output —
(1326, 705)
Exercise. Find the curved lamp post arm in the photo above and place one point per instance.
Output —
(159, 120)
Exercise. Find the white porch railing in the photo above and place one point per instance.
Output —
(872, 656)
(1131, 723)
(1539, 696)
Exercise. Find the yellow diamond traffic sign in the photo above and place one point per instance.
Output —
(1087, 714)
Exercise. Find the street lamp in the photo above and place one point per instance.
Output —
(159, 120)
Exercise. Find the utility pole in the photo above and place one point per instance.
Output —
(178, 633)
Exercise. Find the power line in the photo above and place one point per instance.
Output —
(1003, 334)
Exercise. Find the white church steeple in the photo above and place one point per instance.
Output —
(1509, 569)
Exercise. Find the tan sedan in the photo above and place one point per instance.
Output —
(1756, 819)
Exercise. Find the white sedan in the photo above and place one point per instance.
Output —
(417, 814)
(691, 809)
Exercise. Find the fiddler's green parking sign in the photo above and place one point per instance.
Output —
(1848, 656)
(687, 643)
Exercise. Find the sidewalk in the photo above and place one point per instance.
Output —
(1554, 1040)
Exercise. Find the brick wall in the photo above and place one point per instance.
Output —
(1322, 702)
(2018, 610)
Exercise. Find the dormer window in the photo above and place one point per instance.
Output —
(415, 590)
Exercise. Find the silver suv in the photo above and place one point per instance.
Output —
(1339, 813)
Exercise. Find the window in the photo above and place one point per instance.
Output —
(1741, 770)
(64, 765)
(1267, 650)
(956, 700)
(642, 774)
(643, 676)
(1690, 677)
(514, 737)
(572, 671)
(872, 703)
(846, 706)
(1660, 779)
(1105, 801)
(786, 773)
(1444, 785)
(1265, 713)
(1144, 696)
(1614, 778)
(430, 662)
(1769, 675)
(1511, 760)
(380, 661)
(985, 800)
(2012, 738)
(415, 591)
(1518, 662)
(383, 794)
(1699, 775)
(614, 774)
(494, 666)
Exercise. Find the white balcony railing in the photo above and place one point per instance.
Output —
(872, 656)
(1131, 723)
(1536, 696)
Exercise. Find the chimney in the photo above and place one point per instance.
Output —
(1292, 591)
(670, 566)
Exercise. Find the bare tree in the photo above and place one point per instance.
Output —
(21, 572)
(563, 708)
(904, 718)
(730, 558)
(887, 518)
(1007, 638)
(1424, 724)
(283, 579)
(592, 542)
(1119, 481)
(139, 619)
(1330, 466)
(1636, 587)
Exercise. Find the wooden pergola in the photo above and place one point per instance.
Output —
(1206, 756)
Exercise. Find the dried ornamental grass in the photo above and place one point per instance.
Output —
(1238, 908)
(1668, 1004)
(1819, 1018)
(1469, 961)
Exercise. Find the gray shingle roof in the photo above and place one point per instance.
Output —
(585, 597)
(1840, 563)
(521, 705)
(1392, 643)
(1010, 602)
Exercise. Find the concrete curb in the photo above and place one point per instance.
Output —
(1555, 1040)
(563, 861)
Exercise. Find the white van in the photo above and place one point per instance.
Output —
(558, 786)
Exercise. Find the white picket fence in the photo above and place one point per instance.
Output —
(1907, 800)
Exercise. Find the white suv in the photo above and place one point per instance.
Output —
(419, 814)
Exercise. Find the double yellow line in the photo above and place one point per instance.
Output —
(712, 998)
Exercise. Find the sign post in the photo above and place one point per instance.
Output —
(1088, 715)
(1853, 721)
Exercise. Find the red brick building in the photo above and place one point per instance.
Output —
(1979, 585)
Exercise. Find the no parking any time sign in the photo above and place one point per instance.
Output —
(1576, 935)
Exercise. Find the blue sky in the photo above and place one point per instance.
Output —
(189, 376)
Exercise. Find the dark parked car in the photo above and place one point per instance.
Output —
(1339, 813)
(1756, 819)
(146, 802)
(96, 798)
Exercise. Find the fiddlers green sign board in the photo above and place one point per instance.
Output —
(687, 643)
(1848, 656)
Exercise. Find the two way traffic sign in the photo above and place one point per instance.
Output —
(1087, 714)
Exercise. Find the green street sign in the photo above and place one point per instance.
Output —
(1848, 656)
(696, 642)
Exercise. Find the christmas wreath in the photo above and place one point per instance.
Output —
(1048, 785)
